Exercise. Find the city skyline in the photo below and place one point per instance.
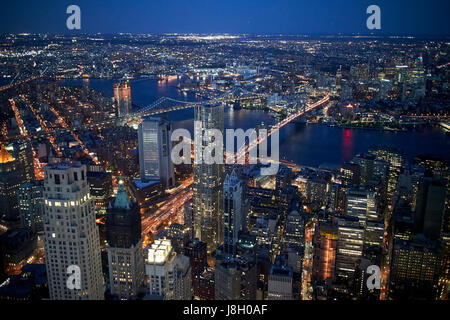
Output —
(115, 146)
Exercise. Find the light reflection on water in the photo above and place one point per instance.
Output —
(311, 144)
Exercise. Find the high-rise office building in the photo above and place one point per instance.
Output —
(294, 229)
(9, 184)
(100, 186)
(196, 251)
(430, 207)
(155, 148)
(288, 201)
(189, 218)
(316, 190)
(283, 178)
(179, 236)
(262, 231)
(169, 273)
(280, 283)
(295, 255)
(334, 197)
(31, 204)
(395, 159)
(346, 91)
(349, 245)
(23, 152)
(71, 236)
(374, 233)
(326, 238)
(122, 98)
(403, 221)
(407, 187)
(366, 167)
(208, 180)
(235, 277)
(125, 254)
(415, 268)
(380, 172)
(233, 212)
(350, 173)
(362, 204)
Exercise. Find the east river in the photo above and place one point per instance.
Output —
(304, 144)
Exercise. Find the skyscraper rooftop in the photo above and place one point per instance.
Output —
(5, 156)
(122, 200)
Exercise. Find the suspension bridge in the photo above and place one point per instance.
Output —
(13, 84)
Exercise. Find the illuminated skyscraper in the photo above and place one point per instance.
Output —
(125, 255)
(22, 151)
(349, 246)
(350, 173)
(155, 148)
(316, 190)
(294, 230)
(169, 273)
(208, 180)
(233, 214)
(235, 273)
(374, 233)
(189, 218)
(31, 204)
(122, 98)
(365, 162)
(362, 204)
(395, 159)
(71, 236)
(100, 187)
(325, 252)
(9, 184)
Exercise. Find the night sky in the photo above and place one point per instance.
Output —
(402, 17)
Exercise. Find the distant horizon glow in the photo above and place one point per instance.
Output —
(285, 17)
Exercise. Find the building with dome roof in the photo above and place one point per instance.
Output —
(125, 254)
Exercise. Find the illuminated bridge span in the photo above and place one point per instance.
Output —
(241, 154)
(11, 84)
(161, 105)
(300, 113)
(151, 110)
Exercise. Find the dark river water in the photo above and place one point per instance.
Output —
(304, 144)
